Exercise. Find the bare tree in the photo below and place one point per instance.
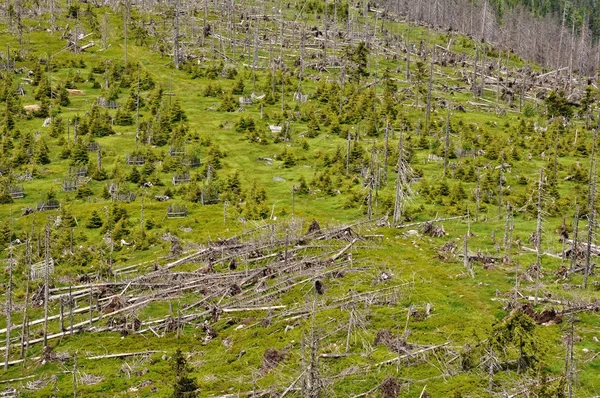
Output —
(591, 224)
(9, 308)
(46, 281)
(538, 238)
(447, 142)
(404, 175)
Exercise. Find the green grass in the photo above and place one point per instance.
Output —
(463, 309)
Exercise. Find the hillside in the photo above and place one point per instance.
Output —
(306, 199)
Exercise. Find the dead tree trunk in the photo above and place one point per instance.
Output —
(477, 194)
(385, 155)
(591, 224)
(447, 143)
(538, 243)
(176, 36)
(569, 363)
(500, 177)
(467, 262)
(9, 304)
(75, 375)
(575, 239)
(429, 88)
(46, 282)
(402, 182)
(125, 21)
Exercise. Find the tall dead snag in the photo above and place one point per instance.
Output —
(312, 384)
(538, 239)
(75, 375)
(477, 194)
(9, 298)
(386, 152)
(429, 89)
(467, 261)
(507, 228)
(500, 186)
(447, 143)
(569, 363)
(125, 21)
(591, 224)
(28, 259)
(176, 36)
(575, 239)
(407, 44)
(474, 86)
(402, 182)
(46, 281)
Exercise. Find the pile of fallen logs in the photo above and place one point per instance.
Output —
(245, 273)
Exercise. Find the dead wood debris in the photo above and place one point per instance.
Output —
(314, 228)
(48, 355)
(447, 251)
(390, 388)
(115, 303)
(386, 338)
(435, 231)
(35, 385)
(546, 317)
(271, 359)
(319, 287)
(89, 380)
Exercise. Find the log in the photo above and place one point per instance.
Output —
(124, 355)
(593, 248)
(400, 357)
(84, 323)
(434, 220)
(269, 308)
(532, 250)
(16, 379)
(344, 250)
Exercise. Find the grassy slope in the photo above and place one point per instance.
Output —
(461, 307)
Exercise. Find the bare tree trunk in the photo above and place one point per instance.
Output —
(447, 142)
(91, 297)
(71, 305)
(46, 283)
(385, 155)
(560, 41)
(52, 17)
(402, 182)
(474, 86)
(538, 243)
(467, 261)
(349, 140)
(407, 41)
(125, 22)
(8, 308)
(500, 188)
(477, 194)
(506, 229)
(591, 224)
(176, 36)
(429, 88)
(104, 30)
(569, 363)
(575, 239)
(75, 375)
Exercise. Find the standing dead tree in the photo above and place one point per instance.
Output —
(9, 306)
(591, 224)
(404, 174)
(538, 237)
(466, 258)
(46, 281)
